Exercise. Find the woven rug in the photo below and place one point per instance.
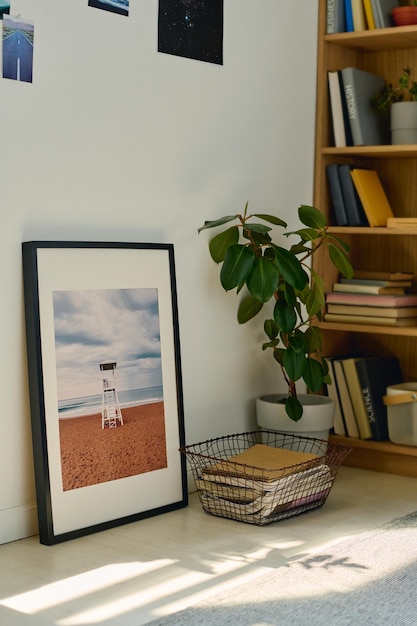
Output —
(369, 579)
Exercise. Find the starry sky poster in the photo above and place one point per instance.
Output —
(192, 29)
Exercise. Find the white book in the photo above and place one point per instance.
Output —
(336, 107)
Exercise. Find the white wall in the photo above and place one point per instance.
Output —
(116, 142)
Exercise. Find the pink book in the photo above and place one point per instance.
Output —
(372, 300)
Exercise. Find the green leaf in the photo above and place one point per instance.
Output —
(306, 234)
(290, 268)
(340, 241)
(219, 222)
(293, 408)
(316, 299)
(310, 216)
(263, 279)
(313, 338)
(297, 341)
(257, 228)
(272, 219)
(220, 243)
(237, 266)
(294, 363)
(285, 316)
(313, 375)
(340, 261)
(248, 308)
(271, 328)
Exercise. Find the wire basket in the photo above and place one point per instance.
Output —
(279, 484)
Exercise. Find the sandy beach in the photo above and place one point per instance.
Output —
(91, 455)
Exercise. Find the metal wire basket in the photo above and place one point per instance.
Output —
(264, 476)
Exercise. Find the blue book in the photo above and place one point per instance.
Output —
(353, 206)
(349, 16)
(336, 196)
(335, 17)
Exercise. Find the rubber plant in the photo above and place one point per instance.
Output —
(250, 259)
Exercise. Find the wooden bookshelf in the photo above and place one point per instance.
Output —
(384, 52)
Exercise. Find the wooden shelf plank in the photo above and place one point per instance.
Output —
(399, 37)
(380, 456)
(408, 151)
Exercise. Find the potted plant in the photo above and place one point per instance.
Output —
(401, 103)
(405, 14)
(269, 272)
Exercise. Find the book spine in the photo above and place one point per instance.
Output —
(339, 210)
(352, 381)
(352, 107)
(379, 428)
(335, 16)
(345, 401)
(349, 16)
(354, 209)
(336, 107)
(375, 11)
(367, 5)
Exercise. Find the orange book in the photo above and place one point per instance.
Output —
(372, 196)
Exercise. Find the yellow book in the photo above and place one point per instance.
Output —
(369, 14)
(355, 393)
(372, 195)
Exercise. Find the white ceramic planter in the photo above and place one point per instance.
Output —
(404, 123)
(317, 419)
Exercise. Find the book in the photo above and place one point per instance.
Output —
(381, 275)
(377, 282)
(335, 17)
(353, 206)
(367, 126)
(375, 375)
(352, 381)
(262, 463)
(402, 222)
(366, 319)
(345, 401)
(408, 299)
(339, 211)
(372, 195)
(376, 14)
(373, 311)
(336, 108)
(371, 289)
(339, 426)
(358, 14)
(369, 14)
(348, 16)
(383, 12)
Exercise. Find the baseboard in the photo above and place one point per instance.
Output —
(18, 522)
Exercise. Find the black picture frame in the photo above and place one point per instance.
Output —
(107, 310)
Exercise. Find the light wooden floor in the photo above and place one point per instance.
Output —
(130, 575)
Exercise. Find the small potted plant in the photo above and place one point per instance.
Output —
(401, 102)
(405, 14)
(269, 272)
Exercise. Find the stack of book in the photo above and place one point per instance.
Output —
(358, 197)
(355, 120)
(358, 386)
(378, 298)
(355, 15)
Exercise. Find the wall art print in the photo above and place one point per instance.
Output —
(192, 29)
(105, 384)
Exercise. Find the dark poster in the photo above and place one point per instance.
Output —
(192, 29)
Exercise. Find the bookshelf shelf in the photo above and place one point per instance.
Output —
(370, 231)
(384, 52)
(397, 38)
(376, 152)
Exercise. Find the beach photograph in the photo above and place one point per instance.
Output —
(109, 385)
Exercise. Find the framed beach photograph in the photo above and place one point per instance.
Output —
(104, 383)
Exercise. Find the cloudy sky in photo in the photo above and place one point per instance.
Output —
(101, 325)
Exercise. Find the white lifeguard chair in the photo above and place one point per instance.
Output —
(111, 414)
